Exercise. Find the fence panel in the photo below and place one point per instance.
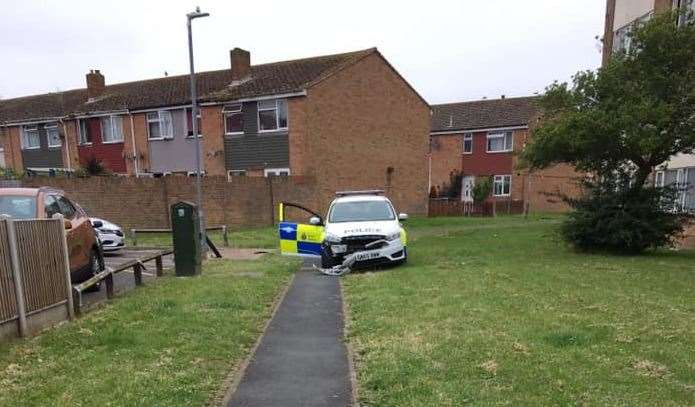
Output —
(42, 263)
(8, 301)
(447, 207)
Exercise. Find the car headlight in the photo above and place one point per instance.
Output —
(393, 236)
(331, 238)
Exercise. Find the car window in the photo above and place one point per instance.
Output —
(361, 211)
(19, 207)
(66, 207)
(50, 205)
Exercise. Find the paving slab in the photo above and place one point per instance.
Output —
(301, 359)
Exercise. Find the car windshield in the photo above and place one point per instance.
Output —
(361, 211)
(19, 207)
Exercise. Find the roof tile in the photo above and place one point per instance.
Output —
(483, 114)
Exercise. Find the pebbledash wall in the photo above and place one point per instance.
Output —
(239, 202)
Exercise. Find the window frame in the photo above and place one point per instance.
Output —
(50, 128)
(159, 121)
(502, 135)
(111, 123)
(30, 129)
(275, 172)
(189, 127)
(467, 137)
(659, 183)
(226, 111)
(236, 173)
(83, 133)
(502, 181)
(277, 115)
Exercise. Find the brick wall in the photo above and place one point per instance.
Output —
(144, 202)
(213, 140)
(368, 129)
(446, 157)
(13, 149)
(688, 240)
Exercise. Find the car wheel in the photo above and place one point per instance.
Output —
(95, 268)
(327, 261)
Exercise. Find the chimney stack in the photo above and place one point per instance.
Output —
(95, 84)
(241, 63)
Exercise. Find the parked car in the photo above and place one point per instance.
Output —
(363, 223)
(85, 254)
(110, 235)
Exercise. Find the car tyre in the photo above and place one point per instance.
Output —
(95, 267)
(327, 261)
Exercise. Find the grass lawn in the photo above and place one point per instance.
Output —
(500, 311)
(262, 238)
(170, 343)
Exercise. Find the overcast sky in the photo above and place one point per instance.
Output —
(448, 50)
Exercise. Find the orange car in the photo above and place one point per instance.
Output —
(86, 257)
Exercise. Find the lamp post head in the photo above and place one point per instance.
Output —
(196, 14)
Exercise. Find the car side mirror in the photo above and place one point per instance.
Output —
(315, 220)
(67, 224)
(403, 216)
(97, 224)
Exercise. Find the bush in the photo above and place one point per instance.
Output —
(9, 173)
(482, 189)
(92, 167)
(623, 219)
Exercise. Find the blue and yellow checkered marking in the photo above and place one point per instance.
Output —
(300, 239)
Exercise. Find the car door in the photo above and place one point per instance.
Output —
(297, 235)
(80, 237)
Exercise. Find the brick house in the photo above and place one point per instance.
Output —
(482, 139)
(313, 117)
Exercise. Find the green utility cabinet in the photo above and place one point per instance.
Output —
(185, 225)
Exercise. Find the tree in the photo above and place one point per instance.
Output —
(482, 189)
(626, 118)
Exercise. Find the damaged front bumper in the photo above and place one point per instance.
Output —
(364, 251)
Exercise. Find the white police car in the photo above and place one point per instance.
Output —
(360, 224)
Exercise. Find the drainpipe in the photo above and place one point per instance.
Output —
(67, 143)
(135, 151)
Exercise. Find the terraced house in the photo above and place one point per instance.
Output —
(482, 139)
(314, 117)
(621, 18)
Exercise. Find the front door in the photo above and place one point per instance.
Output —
(299, 236)
(467, 189)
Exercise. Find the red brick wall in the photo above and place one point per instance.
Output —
(144, 202)
(13, 149)
(362, 121)
(446, 157)
(213, 140)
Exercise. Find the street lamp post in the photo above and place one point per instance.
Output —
(194, 120)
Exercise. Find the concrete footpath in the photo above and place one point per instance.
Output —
(301, 360)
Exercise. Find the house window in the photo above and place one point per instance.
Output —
(30, 138)
(159, 125)
(499, 142)
(276, 172)
(622, 39)
(272, 115)
(53, 135)
(688, 5)
(468, 143)
(502, 185)
(233, 119)
(236, 173)
(85, 137)
(189, 123)
(659, 179)
(111, 129)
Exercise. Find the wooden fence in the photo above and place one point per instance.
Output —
(452, 207)
(35, 288)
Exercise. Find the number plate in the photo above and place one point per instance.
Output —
(367, 256)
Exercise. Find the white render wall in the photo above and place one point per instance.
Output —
(627, 11)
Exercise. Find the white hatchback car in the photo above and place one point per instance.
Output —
(110, 235)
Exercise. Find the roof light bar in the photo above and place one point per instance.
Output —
(366, 192)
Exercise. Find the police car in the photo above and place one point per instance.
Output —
(359, 223)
